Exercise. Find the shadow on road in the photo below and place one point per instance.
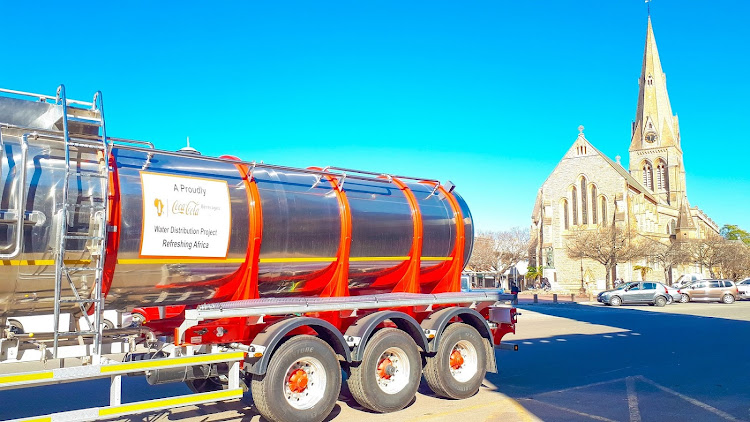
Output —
(664, 367)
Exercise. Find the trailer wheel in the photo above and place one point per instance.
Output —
(458, 368)
(302, 382)
(388, 377)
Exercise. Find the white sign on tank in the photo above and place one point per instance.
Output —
(184, 217)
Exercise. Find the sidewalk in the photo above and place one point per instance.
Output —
(527, 298)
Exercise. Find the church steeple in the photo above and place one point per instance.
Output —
(654, 125)
(655, 151)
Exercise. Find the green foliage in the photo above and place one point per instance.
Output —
(644, 270)
(533, 273)
(734, 232)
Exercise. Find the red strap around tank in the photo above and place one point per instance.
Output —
(409, 283)
(451, 281)
(247, 288)
(338, 285)
(113, 237)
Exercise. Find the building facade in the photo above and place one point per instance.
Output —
(587, 189)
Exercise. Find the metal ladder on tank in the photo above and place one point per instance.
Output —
(65, 273)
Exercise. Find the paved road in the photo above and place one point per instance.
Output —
(577, 362)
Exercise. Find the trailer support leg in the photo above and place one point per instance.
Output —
(115, 390)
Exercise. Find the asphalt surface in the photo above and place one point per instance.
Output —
(576, 362)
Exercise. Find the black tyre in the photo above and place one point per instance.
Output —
(388, 377)
(684, 298)
(615, 301)
(660, 301)
(302, 382)
(458, 368)
(727, 299)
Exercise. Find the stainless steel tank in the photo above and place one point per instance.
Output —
(161, 198)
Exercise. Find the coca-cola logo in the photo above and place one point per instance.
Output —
(185, 208)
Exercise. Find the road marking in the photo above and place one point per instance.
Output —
(635, 413)
(575, 412)
(580, 387)
(691, 400)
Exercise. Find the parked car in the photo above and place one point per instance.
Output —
(687, 279)
(674, 295)
(710, 291)
(744, 288)
(648, 292)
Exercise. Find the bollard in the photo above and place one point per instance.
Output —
(536, 298)
(572, 297)
(554, 298)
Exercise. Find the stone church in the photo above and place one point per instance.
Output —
(587, 189)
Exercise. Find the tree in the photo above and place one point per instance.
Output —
(643, 270)
(667, 256)
(484, 256)
(533, 273)
(735, 260)
(706, 252)
(733, 232)
(499, 250)
(608, 245)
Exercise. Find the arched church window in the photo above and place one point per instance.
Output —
(661, 176)
(566, 214)
(584, 200)
(574, 201)
(650, 80)
(593, 205)
(604, 210)
(648, 178)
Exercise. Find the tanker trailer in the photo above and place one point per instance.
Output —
(275, 278)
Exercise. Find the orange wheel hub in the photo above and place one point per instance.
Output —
(297, 381)
(383, 368)
(456, 359)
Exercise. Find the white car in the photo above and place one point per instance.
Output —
(744, 288)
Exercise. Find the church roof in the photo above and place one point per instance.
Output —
(630, 179)
(685, 218)
(654, 113)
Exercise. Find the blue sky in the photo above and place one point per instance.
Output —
(487, 94)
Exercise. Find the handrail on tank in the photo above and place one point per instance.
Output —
(131, 145)
(42, 97)
(389, 176)
(260, 164)
(20, 196)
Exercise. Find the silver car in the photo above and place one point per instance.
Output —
(636, 292)
(744, 288)
(674, 295)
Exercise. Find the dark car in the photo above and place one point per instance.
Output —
(648, 292)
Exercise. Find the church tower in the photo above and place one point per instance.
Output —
(655, 151)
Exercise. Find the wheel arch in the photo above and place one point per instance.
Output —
(273, 336)
(365, 327)
(441, 319)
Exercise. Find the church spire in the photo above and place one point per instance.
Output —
(654, 125)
